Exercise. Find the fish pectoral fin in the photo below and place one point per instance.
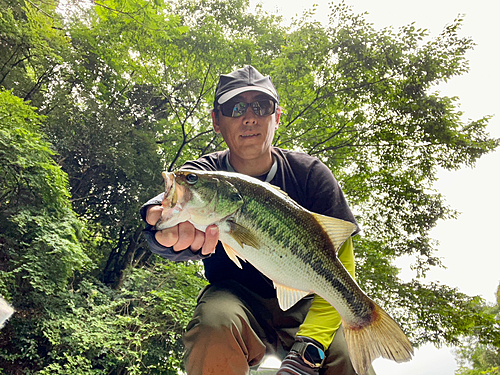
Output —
(287, 297)
(338, 230)
(242, 235)
(233, 255)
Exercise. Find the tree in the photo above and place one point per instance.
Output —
(33, 46)
(39, 242)
(34, 205)
(140, 109)
(56, 300)
(482, 350)
(362, 100)
(66, 321)
(133, 330)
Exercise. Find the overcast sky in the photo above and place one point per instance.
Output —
(468, 246)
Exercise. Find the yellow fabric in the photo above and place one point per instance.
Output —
(322, 320)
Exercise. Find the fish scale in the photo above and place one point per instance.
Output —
(285, 236)
(264, 219)
(292, 246)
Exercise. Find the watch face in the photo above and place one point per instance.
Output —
(314, 355)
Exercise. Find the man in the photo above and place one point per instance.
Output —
(237, 319)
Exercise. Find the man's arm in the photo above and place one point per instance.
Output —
(326, 198)
(322, 320)
(320, 325)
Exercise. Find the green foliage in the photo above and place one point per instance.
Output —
(439, 314)
(65, 323)
(134, 330)
(37, 222)
(39, 240)
(362, 101)
(97, 330)
(482, 349)
(33, 47)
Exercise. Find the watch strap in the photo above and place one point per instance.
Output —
(302, 347)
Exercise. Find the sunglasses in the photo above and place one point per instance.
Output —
(234, 108)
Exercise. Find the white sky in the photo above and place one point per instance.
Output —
(468, 247)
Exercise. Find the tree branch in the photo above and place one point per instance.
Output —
(126, 14)
(183, 124)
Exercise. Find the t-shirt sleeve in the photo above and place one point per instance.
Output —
(325, 195)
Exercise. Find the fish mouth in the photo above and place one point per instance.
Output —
(173, 201)
(170, 197)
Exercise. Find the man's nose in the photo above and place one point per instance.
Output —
(249, 117)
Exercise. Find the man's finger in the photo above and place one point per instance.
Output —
(199, 239)
(186, 236)
(153, 214)
(168, 237)
(211, 239)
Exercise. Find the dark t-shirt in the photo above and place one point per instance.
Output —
(303, 177)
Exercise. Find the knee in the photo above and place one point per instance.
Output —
(221, 332)
(213, 318)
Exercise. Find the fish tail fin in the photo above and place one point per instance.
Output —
(381, 338)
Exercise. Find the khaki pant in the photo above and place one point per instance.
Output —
(233, 329)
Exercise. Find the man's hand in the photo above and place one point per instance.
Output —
(183, 235)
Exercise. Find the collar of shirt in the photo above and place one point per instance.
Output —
(266, 178)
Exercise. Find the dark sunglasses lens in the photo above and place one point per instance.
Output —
(233, 109)
(263, 107)
(237, 109)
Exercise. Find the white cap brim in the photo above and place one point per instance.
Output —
(231, 94)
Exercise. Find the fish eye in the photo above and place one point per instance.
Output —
(191, 179)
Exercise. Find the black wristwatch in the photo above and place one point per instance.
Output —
(310, 353)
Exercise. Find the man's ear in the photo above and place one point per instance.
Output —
(215, 122)
(278, 116)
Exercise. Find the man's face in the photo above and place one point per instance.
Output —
(248, 136)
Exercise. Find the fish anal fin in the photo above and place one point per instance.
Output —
(242, 235)
(338, 230)
(382, 337)
(232, 254)
(287, 297)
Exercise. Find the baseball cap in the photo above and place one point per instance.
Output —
(241, 80)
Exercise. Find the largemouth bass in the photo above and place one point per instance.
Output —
(292, 246)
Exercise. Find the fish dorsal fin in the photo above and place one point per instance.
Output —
(233, 255)
(287, 297)
(338, 230)
(278, 189)
(242, 235)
